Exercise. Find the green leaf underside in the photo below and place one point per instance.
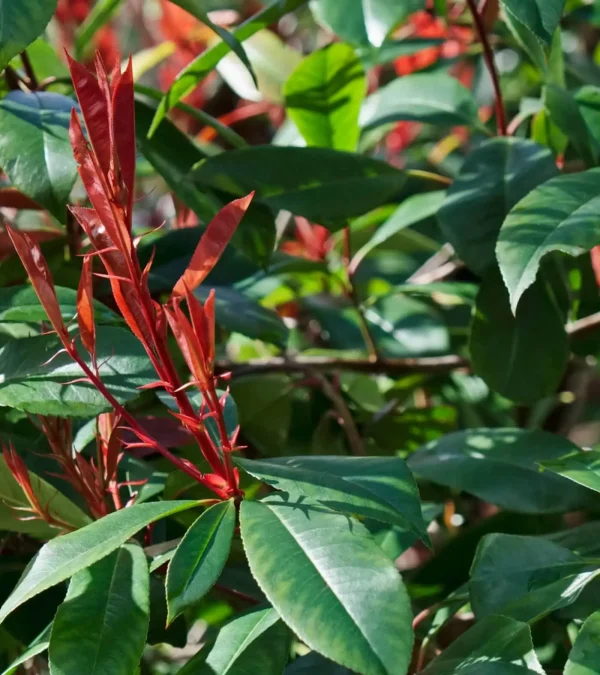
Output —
(255, 642)
(330, 583)
(584, 658)
(560, 215)
(525, 577)
(61, 558)
(373, 487)
(20, 23)
(101, 627)
(580, 467)
(200, 558)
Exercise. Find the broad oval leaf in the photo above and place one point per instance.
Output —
(493, 178)
(381, 488)
(320, 184)
(20, 24)
(35, 151)
(501, 466)
(101, 627)
(200, 558)
(584, 658)
(31, 382)
(61, 558)
(526, 578)
(431, 98)
(330, 583)
(256, 642)
(323, 97)
(560, 215)
(506, 349)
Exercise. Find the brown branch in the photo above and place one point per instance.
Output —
(582, 327)
(28, 68)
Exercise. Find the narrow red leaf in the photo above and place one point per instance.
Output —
(595, 255)
(124, 131)
(213, 243)
(85, 308)
(40, 276)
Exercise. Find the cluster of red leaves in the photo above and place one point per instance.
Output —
(107, 169)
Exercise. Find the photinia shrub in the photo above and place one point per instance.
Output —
(299, 328)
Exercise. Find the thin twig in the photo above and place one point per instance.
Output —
(28, 68)
(488, 56)
(582, 327)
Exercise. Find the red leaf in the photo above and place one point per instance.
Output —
(124, 131)
(41, 279)
(213, 243)
(85, 308)
(203, 321)
(595, 255)
(188, 344)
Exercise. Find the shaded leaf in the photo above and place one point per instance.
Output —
(38, 646)
(584, 658)
(20, 23)
(540, 17)
(578, 466)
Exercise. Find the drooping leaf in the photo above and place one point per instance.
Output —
(323, 185)
(255, 642)
(540, 17)
(61, 558)
(560, 215)
(501, 466)
(578, 466)
(432, 98)
(584, 658)
(381, 488)
(101, 627)
(497, 645)
(525, 578)
(200, 558)
(323, 97)
(493, 178)
(20, 23)
(35, 151)
(506, 349)
(365, 625)
(32, 383)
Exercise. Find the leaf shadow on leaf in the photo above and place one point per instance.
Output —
(306, 506)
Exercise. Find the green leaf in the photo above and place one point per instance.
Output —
(493, 178)
(320, 184)
(588, 100)
(32, 384)
(560, 215)
(20, 304)
(578, 466)
(323, 97)
(363, 22)
(584, 658)
(540, 17)
(381, 488)
(411, 211)
(20, 23)
(506, 350)
(315, 663)
(525, 578)
(61, 558)
(501, 466)
(497, 645)
(255, 642)
(58, 505)
(431, 98)
(101, 627)
(191, 76)
(35, 151)
(330, 583)
(39, 645)
(200, 558)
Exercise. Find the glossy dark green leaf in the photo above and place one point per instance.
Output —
(323, 97)
(584, 658)
(200, 558)
(315, 663)
(101, 627)
(578, 466)
(255, 642)
(381, 488)
(320, 184)
(32, 384)
(493, 178)
(364, 625)
(63, 557)
(525, 577)
(588, 100)
(506, 349)
(191, 76)
(497, 645)
(501, 466)
(363, 22)
(540, 17)
(20, 23)
(560, 215)
(20, 304)
(432, 98)
(35, 151)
